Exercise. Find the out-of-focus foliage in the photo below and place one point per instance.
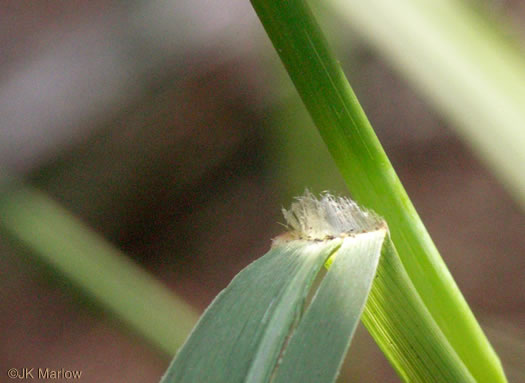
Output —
(464, 64)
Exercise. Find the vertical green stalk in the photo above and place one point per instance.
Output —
(370, 177)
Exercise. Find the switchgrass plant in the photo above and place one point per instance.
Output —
(271, 319)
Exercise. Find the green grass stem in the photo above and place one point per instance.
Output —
(370, 177)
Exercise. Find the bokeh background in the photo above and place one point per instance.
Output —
(171, 128)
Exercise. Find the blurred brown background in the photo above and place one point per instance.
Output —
(171, 128)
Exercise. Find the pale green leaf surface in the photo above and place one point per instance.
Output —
(257, 330)
(241, 334)
(318, 346)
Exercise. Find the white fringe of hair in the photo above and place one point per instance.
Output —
(328, 217)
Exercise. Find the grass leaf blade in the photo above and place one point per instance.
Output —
(405, 331)
(318, 346)
(241, 334)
